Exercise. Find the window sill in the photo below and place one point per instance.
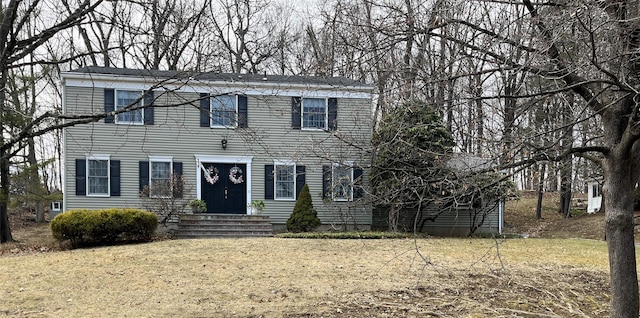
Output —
(99, 195)
(223, 127)
(129, 124)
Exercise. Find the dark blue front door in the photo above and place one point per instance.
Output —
(228, 193)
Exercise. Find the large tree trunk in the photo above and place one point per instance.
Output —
(618, 197)
(5, 228)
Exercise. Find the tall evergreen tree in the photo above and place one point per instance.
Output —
(304, 217)
(412, 146)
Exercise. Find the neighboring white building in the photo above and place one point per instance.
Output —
(595, 197)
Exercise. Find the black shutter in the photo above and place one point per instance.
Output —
(296, 111)
(148, 110)
(205, 110)
(243, 121)
(333, 114)
(358, 191)
(326, 181)
(268, 182)
(115, 178)
(144, 175)
(178, 186)
(300, 179)
(109, 104)
(81, 177)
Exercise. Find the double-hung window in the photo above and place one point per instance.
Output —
(314, 113)
(98, 176)
(224, 111)
(285, 180)
(131, 99)
(160, 177)
(342, 182)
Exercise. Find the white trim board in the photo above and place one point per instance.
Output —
(225, 159)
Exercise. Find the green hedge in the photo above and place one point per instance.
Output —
(100, 227)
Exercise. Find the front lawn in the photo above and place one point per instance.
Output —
(277, 277)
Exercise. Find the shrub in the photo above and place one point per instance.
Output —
(99, 227)
(198, 206)
(304, 217)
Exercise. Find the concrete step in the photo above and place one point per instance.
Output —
(219, 216)
(205, 225)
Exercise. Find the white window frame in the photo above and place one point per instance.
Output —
(87, 178)
(159, 159)
(56, 206)
(349, 166)
(235, 110)
(288, 163)
(117, 119)
(326, 114)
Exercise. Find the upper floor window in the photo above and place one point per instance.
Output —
(132, 99)
(314, 113)
(285, 180)
(117, 100)
(223, 111)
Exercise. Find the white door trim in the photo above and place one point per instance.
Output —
(246, 160)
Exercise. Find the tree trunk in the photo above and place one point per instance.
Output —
(619, 229)
(394, 214)
(540, 191)
(35, 184)
(5, 228)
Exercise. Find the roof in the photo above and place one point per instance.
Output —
(224, 77)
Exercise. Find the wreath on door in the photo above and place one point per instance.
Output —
(212, 175)
(235, 175)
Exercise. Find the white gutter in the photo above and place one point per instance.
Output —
(96, 77)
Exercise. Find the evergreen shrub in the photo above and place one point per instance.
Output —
(304, 217)
(103, 227)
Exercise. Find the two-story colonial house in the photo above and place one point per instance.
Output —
(233, 138)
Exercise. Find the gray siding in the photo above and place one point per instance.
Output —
(176, 132)
(447, 221)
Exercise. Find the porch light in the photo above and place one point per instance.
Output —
(224, 142)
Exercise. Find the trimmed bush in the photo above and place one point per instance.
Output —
(103, 227)
(304, 217)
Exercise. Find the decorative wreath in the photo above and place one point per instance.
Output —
(235, 175)
(212, 175)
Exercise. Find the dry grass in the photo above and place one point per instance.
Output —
(275, 277)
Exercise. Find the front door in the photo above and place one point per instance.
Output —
(225, 188)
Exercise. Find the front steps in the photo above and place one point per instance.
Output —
(207, 225)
